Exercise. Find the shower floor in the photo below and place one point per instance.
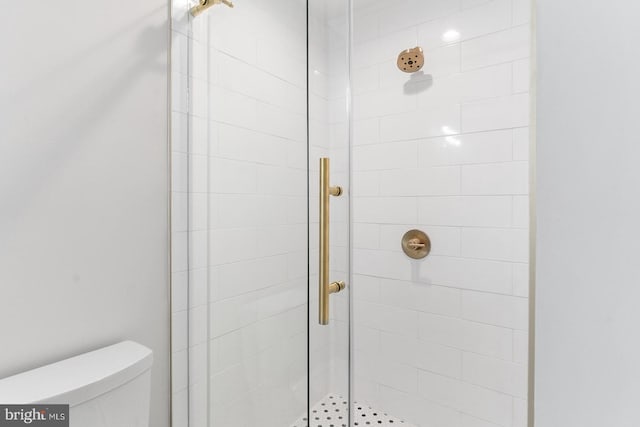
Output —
(333, 411)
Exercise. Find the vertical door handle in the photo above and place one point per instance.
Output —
(326, 288)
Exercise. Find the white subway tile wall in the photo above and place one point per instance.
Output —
(442, 341)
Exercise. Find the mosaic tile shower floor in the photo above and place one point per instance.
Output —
(333, 411)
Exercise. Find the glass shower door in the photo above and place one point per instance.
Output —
(253, 111)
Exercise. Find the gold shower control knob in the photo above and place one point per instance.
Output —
(416, 244)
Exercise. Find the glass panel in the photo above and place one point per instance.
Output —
(329, 138)
(247, 213)
(258, 242)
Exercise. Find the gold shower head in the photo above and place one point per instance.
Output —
(411, 60)
(206, 4)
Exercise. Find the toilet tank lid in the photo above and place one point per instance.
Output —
(80, 378)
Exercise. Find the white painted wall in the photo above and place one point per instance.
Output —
(442, 341)
(84, 183)
(587, 292)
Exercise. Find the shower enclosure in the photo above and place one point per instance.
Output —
(301, 155)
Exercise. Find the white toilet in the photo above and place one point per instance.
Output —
(109, 387)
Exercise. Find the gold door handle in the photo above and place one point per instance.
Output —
(326, 288)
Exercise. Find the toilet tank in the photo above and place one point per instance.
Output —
(109, 387)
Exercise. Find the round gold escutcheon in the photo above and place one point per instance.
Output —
(416, 244)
